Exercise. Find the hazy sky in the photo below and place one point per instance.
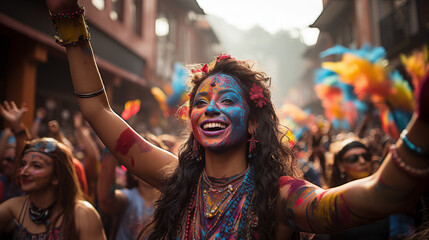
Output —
(272, 15)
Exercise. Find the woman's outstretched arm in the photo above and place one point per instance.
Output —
(138, 155)
(395, 187)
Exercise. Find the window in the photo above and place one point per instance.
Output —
(117, 10)
(99, 4)
(136, 16)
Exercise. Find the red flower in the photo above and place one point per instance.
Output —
(195, 70)
(261, 102)
(256, 92)
(222, 56)
(257, 95)
(205, 68)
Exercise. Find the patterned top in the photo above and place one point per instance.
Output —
(21, 233)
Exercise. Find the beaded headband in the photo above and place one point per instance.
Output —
(47, 146)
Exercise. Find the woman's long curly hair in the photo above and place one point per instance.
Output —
(273, 158)
(68, 187)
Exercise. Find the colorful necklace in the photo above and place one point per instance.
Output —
(220, 208)
(216, 191)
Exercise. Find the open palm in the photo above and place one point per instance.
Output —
(11, 113)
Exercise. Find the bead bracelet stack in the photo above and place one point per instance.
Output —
(404, 167)
(71, 27)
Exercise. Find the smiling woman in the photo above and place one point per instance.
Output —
(53, 207)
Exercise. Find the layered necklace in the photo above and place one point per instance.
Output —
(220, 208)
(39, 215)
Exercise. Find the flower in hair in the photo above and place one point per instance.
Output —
(195, 70)
(257, 95)
(205, 68)
(222, 57)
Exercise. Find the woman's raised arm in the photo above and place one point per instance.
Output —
(138, 155)
(395, 187)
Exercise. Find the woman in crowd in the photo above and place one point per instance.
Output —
(8, 184)
(352, 160)
(132, 206)
(52, 207)
(234, 177)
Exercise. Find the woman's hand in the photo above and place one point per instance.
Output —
(12, 113)
(62, 6)
(40, 113)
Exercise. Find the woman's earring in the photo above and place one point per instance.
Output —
(196, 151)
(342, 175)
(55, 182)
(252, 146)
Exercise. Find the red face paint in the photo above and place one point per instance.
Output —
(127, 139)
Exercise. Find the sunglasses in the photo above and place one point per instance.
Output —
(355, 157)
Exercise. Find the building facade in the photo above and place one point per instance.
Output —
(131, 55)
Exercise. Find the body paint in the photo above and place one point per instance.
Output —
(36, 171)
(219, 99)
(127, 139)
(321, 210)
(293, 182)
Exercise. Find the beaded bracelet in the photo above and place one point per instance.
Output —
(89, 95)
(67, 15)
(403, 166)
(71, 27)
(412, 147)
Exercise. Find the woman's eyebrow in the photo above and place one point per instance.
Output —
(228, 90)
(202, 94)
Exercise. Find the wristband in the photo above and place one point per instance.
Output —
(411, 147)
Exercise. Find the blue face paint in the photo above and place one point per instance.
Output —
(219, 114)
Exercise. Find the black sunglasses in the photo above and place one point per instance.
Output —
(355, 157)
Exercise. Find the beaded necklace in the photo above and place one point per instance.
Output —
(220, 208)
(39, 215)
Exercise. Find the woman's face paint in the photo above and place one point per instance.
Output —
(219, 114)
(35, 172)
(359, 169)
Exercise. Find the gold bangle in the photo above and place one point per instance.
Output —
(71, 30)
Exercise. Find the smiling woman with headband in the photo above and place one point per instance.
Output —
(234, 177)
(52, 207)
